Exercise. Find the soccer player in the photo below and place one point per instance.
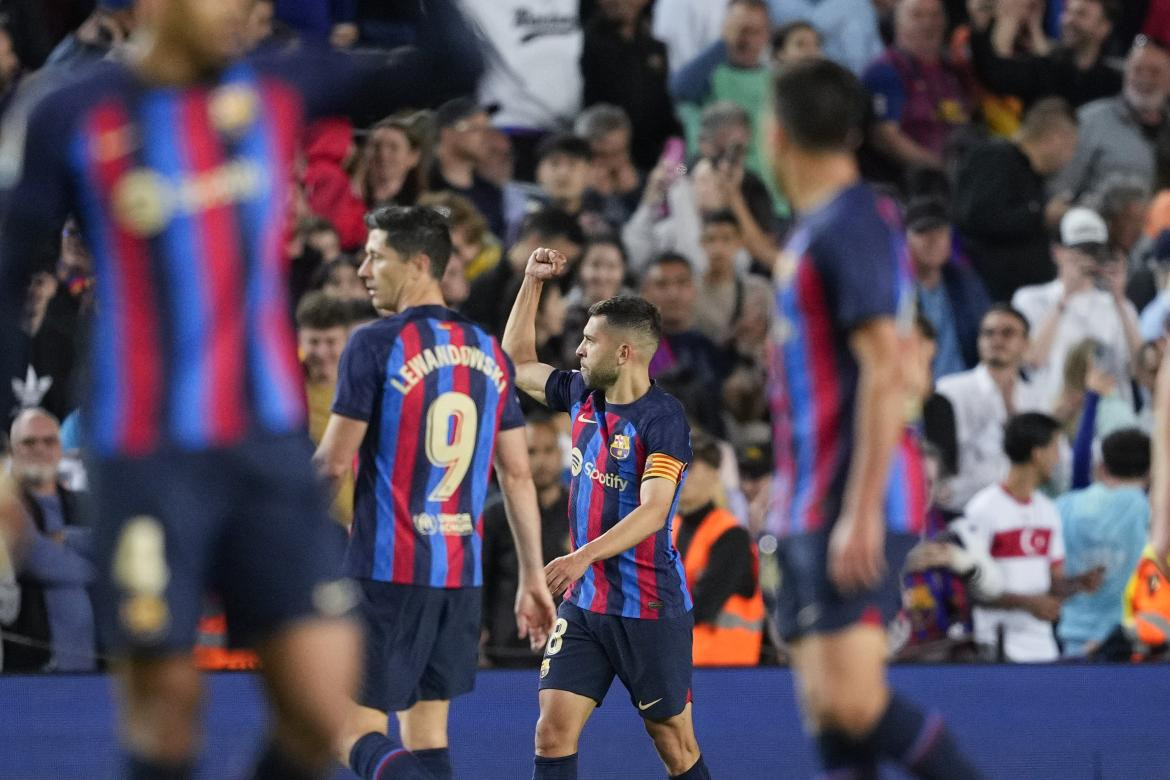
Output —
(177, 165)
(840, 389)
(631, 446)
(426, 400)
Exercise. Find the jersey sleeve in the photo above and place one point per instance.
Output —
(861, 273)
(359, 377)
(512, 416)
(562, 389)
(668, 447)
(885, 86)
(1056, 551)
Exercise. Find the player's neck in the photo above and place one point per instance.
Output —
(163, 65)
(814, 179)
(1021, 482)
(629, 387)
(427, 294)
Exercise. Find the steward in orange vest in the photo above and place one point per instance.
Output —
(722, 568)
(1146, 609)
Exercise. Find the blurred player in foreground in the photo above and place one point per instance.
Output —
(631, 447)
(840, 387)
(177, 165)
(426, 400)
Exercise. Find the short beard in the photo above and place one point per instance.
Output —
(600, 380)
(35, 475)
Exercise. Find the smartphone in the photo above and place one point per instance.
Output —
(674, 151)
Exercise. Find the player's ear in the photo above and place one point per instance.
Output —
(421, 263)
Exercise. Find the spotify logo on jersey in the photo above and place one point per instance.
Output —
(575, 458)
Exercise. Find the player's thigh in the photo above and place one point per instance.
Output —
(401, 623)
(575, 659)
(454, 656)
(155, 521)
(279, 558)
(841, 677)
(563, 715)
(653, 660)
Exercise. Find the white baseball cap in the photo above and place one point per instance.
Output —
(1081, 227)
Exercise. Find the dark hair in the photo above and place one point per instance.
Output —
(1126, 453)
(782, 33)
(705, 448)
(319, 311)
(1046, 115)
(413, 230)
(1025, 433)
(315, 224)
(1011, 311)
(821, 104)
(563, 143)
(669, 258)
(418, 127)
(552, 223)
(607, 240)
(325, 270)
(629, 312)
(720, 217)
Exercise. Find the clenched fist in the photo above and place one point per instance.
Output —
(545, 264)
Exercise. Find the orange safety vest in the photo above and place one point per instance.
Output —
(734, 639)
(1146, 611)
(212, 652)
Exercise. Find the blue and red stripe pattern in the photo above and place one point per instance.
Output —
(183, 195)
(615, 448)
(844, 265)
(435, 389)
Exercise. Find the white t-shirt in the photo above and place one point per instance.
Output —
(687, 27)
(534, 60)
(1090, 314)
(1025, 541)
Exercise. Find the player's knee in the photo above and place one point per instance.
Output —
(554, 737)
(161, 716)
(852, 710)
(309, 734)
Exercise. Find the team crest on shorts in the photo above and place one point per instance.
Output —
(620, 447)
(544, 668)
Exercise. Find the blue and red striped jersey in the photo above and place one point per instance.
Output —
(845, 264)
(615, 448)
(435, 389)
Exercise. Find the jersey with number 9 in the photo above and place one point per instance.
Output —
(435, 389)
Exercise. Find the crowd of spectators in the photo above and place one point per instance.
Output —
(1027, 144)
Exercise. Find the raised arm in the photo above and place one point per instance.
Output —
(520, 333)
(535, 613)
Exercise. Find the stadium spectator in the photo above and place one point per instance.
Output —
(687, 28)
(984, 398)
(462, 126)
(1001, 205)
(534, 70)
(502, 647)
(601, 275)
(725, 293)
(721, 565)
(1105, 527)
(52, 566)
(733, 69)
(321, 236)
(10, 518)
(329, 151)
(322, 330)
(339, 279)
(1089, 405)
(489, 304)
(46, 358)
(848, 31)
(1086, 300)
(950, 294)
(562, 174)
(1120, 134)
(261, 24)
(1075, 69)
(396, 159)
(1020, 528)
(613, 177)
(918, 97)
(478, 249)
(1154, 314)
(795, 41)
(687, 364)
(623, 65)
(108, 28)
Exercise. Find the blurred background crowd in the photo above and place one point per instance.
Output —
(1027, 144)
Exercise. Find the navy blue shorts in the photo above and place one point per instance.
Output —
(652, 658)
(248, 522)
(422, 643)
(809, 603)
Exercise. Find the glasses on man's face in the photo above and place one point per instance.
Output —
(1005, 332)
(44, 441)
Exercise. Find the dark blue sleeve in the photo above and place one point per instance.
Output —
(359, 377)
(884, 84)
(343, 11)
(860, 273)
(668, 433)
(512, 416)
(692, 82)
(36, 197)
(563, 389)
(1082, 470)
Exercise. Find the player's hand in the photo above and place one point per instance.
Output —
(1045, 607)
(1092, 580)
(545, 264)
(535, 613)
(857, 558)
(562, 572)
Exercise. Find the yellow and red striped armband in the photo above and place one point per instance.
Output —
(660, 465)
